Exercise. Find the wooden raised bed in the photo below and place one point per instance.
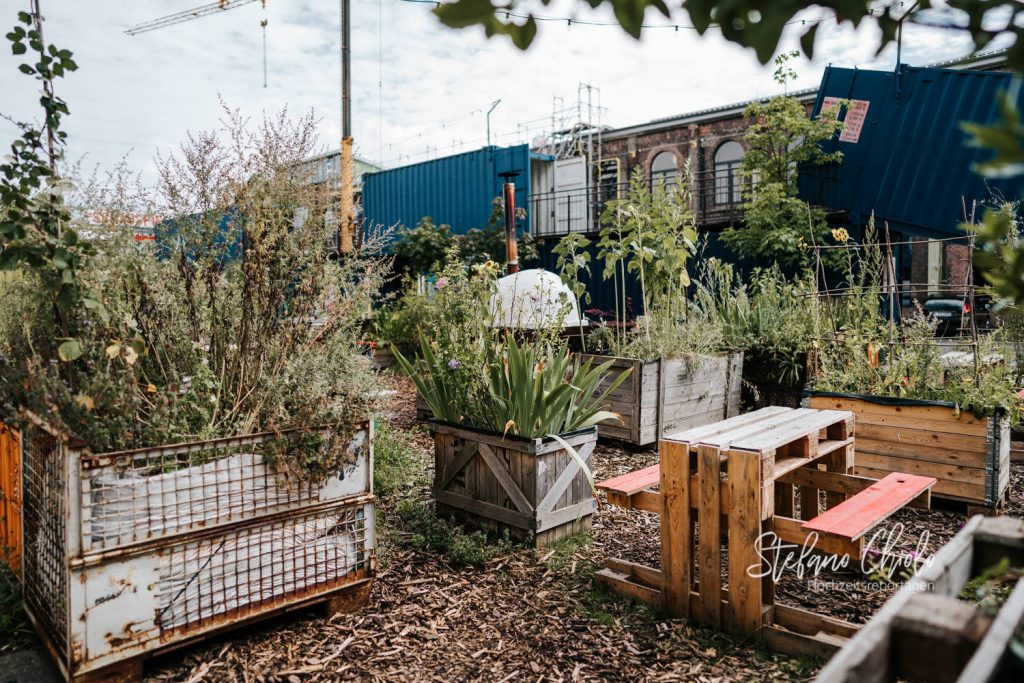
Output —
(925, 633)
(529, 487)
(668, 395)
(969, 455)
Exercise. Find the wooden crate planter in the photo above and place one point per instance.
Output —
(529, 487)
(136, 552)
(924, 633)
(668, 395)
(969, 455)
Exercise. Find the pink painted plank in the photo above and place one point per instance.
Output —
(857, 515)
(633, 482)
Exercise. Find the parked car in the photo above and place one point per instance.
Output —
(953, 315)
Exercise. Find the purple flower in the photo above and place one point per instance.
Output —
(441, 283)
(453, 363)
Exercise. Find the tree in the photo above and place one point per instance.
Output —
(779, 226)
(758, 24)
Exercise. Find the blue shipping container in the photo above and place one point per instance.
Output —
(456, 190)
(904, 154)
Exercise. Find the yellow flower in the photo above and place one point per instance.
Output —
(840, 235)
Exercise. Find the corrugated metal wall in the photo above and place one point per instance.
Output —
(456, 190)
(910, 164)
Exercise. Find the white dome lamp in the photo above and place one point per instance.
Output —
(534, 299)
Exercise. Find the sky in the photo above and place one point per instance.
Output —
(419, 88)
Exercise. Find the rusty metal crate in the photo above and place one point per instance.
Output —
(131, 553)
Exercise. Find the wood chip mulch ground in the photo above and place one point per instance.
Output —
(525, 615)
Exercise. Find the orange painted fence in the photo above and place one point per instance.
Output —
(10, 497)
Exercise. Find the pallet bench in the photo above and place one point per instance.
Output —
(926, 632)
(764, 455)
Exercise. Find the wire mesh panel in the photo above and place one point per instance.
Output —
(45, 558)
(244, 569)
(151, 493)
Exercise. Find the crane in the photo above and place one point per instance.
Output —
(188, 15)
(346, 203)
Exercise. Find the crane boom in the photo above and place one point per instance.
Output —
(187, 15)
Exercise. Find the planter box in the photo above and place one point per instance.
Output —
(669, 395)
(135, 552)
(969, 455)
(525, 486)
(383, 357)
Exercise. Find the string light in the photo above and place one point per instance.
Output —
(570, 21)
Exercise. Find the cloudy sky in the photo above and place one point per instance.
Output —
(419, 88)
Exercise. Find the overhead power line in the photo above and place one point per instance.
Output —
(187, 15)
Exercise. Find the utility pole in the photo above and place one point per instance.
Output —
(346, 204)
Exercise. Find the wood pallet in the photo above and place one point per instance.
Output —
(768, 457)
(925, 633)
(968, 455)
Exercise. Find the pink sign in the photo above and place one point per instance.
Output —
(856, 114)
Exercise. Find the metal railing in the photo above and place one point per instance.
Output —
(715, 200)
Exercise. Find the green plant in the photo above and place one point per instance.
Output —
(422, 249)
(398, 464)
(13, 625)
(778, 226)
(236, 320)
(574, 260)
(429, 533)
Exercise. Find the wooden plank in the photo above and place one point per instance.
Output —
(933, 637)
(565, 478)
(452, 468)
(924, 412)
(791, 531)
(861, 513)
(802, 621)
(505, 479)
(727, 440)
(783, 499)
(621, 584)
(647, 576)
(945, 488)
(807, 425)
(478, 507)
(744, 531)
(922, 437)
(676, 527)
(808, 502)
(846, 484)
(697, 434)
(819, 646)
(565, 515)
(968, 475)
(632, 482)
(937, 454)
(866, 658)
(709, 534)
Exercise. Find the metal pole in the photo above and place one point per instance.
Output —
(493, 106)
(511, 246)
(346, 203)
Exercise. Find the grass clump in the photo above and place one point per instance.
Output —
(14, 628)
(398, 464)
(430, 533)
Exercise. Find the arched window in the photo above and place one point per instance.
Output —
(727, 172)
(663, 169)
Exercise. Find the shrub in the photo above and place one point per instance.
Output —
(397, 463)
(429, 533)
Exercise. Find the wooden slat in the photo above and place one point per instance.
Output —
(744, 531)
(847, 484)
(791, 531)
(676, 527)
(632, 482)
(709, 535)
(697, 434)
(568, 474)
(858, 515)
(505, 479)
(809, 424)
(621, 583)
(727, 440)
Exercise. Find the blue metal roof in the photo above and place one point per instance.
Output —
(456, 190)
(910, 165)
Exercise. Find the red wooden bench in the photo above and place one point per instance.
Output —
(862, 512)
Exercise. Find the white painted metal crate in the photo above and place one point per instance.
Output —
(130, 553)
